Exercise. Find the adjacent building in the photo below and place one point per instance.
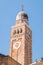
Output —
(40, 62)
(6, 60)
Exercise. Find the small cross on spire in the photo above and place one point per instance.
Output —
(22, 7)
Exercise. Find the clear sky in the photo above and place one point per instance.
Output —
(8, 12)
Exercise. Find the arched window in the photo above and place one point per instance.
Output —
(17, 31)
(20, 31)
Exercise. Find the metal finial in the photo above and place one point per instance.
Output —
(22, 7)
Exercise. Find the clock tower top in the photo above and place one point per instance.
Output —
(22, 17)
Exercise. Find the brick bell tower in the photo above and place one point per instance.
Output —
(21, 40)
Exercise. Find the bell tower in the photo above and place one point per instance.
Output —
(21, 40)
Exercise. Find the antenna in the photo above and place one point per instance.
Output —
(36, 60)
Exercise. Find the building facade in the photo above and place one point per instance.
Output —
(21, 40)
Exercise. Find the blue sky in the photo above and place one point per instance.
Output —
(8, 12)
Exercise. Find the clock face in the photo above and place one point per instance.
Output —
(16, 45)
